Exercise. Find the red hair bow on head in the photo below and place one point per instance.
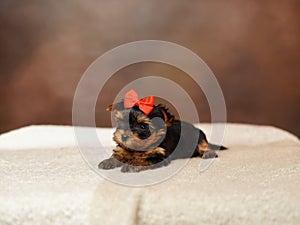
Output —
(145, 105)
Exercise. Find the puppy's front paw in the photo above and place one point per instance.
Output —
(110, 163)
(210, 154)
(131, 169)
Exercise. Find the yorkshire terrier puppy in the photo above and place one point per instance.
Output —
(148, 136)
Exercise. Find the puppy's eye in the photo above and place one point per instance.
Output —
(142, 126)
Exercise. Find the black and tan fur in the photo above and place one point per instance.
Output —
(151, 141)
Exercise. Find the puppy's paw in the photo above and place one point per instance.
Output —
(110, 163)
(210, 154)
(131, 169)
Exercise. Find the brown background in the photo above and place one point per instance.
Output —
(252, 47)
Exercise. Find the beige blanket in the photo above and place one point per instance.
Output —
(45, 180)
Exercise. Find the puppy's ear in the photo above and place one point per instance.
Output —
(168, 117)
(109, 108)
(118, 106)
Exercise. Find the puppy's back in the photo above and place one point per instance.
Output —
(182, 139)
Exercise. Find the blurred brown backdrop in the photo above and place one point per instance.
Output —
(252, 46)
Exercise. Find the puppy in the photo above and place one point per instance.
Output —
(148, 136)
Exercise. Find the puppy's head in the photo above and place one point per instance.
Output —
(137, 131)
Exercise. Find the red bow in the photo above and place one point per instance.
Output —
(145, 105)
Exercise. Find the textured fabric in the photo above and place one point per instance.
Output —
(256, 181)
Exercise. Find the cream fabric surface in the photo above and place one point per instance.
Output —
(44, 180)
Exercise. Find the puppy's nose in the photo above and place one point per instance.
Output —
(124, 137)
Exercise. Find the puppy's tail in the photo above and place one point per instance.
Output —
(216, 147)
